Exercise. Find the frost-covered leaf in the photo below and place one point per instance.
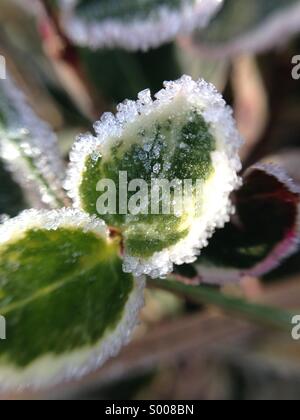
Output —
(67, 303)
(186, 133)
(249, 26)
(133, 24)
(264, 231)
(29, 148)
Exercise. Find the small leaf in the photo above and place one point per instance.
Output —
(187, 133)
(29, 148)
(264, 231)
(249, 26)
(133, 24)
(68, 306)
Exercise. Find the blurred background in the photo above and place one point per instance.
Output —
(181, 350)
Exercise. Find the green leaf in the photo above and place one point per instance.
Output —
(29, 149)
(120, 74)
(67, 303)
(187, 133)
(264, 231)
(133, 24)
(243, 26)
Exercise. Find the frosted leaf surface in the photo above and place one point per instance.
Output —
(133, 24)
(67, 303)
(264, 232)
(29, 148)
(186, 133)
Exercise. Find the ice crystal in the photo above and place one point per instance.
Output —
(161, 25)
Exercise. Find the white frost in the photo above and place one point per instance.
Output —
(15, 228)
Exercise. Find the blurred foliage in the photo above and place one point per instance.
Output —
(118, 74)
(11, 196)
(239, 17)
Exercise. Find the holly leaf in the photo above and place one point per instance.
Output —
(68, 305)
(244, 26)
(263, 232)
(133, 24)
(161, 172)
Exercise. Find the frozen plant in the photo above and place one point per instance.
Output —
(74, 269)
(73, 262)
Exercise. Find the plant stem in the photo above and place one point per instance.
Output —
(270, 316)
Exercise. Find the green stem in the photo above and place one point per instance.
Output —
(270, 316)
